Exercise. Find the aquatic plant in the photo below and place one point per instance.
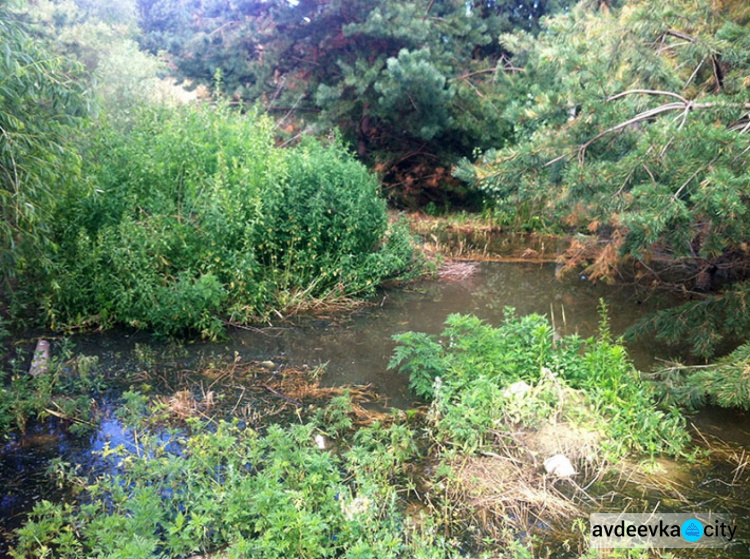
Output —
(63, 390)
(403, 485)
(232, 490)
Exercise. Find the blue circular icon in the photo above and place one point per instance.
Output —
(692, 530)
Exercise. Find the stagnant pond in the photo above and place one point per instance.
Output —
(356, 348)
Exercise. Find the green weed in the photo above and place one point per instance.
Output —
(197, 218)
(64, 391)
(467, 370)
(232, 490)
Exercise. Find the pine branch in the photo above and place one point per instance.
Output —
(476, 73)
(681, 35)
(429, 8)
(648, 92)
(645, 115)
(683, 104)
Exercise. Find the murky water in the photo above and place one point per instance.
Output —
(355, 349)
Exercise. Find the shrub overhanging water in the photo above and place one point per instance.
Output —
(195, 216)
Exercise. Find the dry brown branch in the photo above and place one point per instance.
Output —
(475, 73)
(681, 35)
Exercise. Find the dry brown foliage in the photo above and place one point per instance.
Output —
(498, 492)
(599, 258)
(257, 391)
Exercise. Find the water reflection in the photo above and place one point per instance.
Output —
(358, 350)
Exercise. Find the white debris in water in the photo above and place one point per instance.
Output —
(548, 374)
(516, 389)
(436, 385)
(40, 362)
(559, 466)
(321, 442)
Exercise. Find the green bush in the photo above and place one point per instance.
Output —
(196, 216)
(468, 367)
(469, 348)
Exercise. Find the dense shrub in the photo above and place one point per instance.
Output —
(467, 369)
(195, 216)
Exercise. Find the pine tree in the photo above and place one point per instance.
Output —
(632, 126)
(409, 84)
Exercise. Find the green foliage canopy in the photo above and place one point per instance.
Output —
(42, 102)
(411, 84)
(633, 124)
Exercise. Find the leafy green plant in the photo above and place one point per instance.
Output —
(63, 391)
(230, 490)
(476, 364)
(468, 348)
(420, 356)
(198, 218)
(335, 419)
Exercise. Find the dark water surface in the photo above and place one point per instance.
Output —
(355, 350)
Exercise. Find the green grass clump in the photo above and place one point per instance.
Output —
(194, 217)
(467, 369)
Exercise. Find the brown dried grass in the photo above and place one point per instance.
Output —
(508, 489)
(456, 271)
(499, 492)
(183, 404)
(299, 385)
(422, 224)
(716, 481)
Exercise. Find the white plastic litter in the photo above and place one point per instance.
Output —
(558, 465)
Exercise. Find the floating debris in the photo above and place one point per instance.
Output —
(457, 271)
(516, 390)
(320, 442)
(40, 362)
